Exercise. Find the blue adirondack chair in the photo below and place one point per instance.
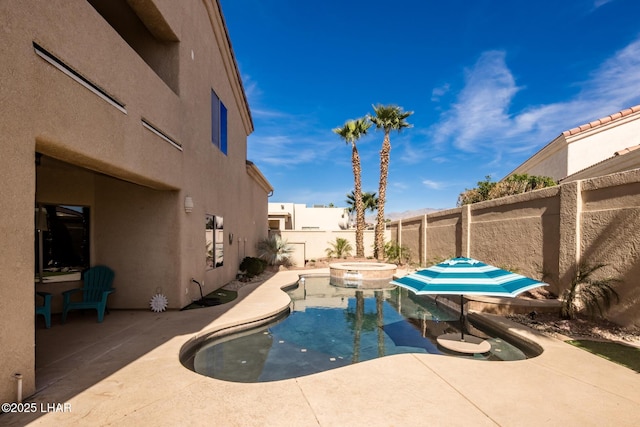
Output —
(45, 309)
(98, 283)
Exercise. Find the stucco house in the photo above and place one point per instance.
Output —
(124, 142)
(578, 149)
(298, 216)
(311, 230)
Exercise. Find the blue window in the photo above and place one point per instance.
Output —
(218, 123)
(223, 128)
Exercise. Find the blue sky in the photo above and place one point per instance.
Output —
(490, 83)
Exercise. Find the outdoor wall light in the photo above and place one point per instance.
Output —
(188, 204)
(231, 238)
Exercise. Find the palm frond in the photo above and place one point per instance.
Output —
(594, 295)
(390, 117)
(353, 130)
(275, 250)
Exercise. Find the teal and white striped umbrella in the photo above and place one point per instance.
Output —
(467, 276)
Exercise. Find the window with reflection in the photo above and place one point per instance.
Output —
(62, 242)
(214, 235)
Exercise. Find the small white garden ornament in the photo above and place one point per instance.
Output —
(158, 302)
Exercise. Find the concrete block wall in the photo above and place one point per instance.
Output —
(544, 234)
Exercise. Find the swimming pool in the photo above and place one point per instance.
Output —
(333, 326)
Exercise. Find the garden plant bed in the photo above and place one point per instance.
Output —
(579, 328)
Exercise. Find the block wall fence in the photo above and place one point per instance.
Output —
(544, 234)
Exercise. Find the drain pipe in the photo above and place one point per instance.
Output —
(199, 287)
(18, 377)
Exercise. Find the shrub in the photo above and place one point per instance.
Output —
(253, 266)
(514, 184)
(341, 248)
(396, 254)
(585, 292)
(274, 250)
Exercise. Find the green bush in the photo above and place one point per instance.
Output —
(514, 184)
(396, 254)
(275, 250)
(253, 266)
(340, 249)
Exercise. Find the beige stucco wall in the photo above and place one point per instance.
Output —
(409, 234)
(444, 235)
(314, 243)
(98, 156)
(610, 219)
(552, 160)
(594, 145)
(322, 218)
(297, 216)
(522, 236)
(545, 234)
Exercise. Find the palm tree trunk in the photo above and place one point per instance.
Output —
(382, 192)
(380, 321)
(357, 194)
(358, 326)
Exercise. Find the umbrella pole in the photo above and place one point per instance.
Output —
(461, 317)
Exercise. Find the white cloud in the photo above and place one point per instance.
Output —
(482, 106)
(598, 3)
(251, 89)
(400, 185)
(618, 78)
(440, 159)
(282, 139)
(312, 197)
(438, 92)
(288, 147)
(434, 185)
(259, 113)
(481, 118)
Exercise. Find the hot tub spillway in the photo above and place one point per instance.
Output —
(366, 275)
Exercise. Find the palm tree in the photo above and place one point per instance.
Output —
(351, 132)
(387, 118)
(351, 202)
(369, 202)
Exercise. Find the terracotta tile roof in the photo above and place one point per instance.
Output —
(602, 121)
(626, 150)
(609, 160)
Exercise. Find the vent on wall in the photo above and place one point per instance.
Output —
(79, 78)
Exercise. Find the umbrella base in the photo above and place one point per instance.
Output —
(470, 345)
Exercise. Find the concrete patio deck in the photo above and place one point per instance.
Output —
(126, 371)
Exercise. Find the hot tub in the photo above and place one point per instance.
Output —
(368, 275)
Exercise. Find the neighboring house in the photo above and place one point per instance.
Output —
(312, 230)
(294, 216)
(621, 161)
(124, 128)
(582, 147)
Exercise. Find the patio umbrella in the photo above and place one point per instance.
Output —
(466, 276)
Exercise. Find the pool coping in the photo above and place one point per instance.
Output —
(493, 326)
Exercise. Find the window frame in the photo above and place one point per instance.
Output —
(218, 123)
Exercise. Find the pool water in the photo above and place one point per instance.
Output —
(330, 327)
